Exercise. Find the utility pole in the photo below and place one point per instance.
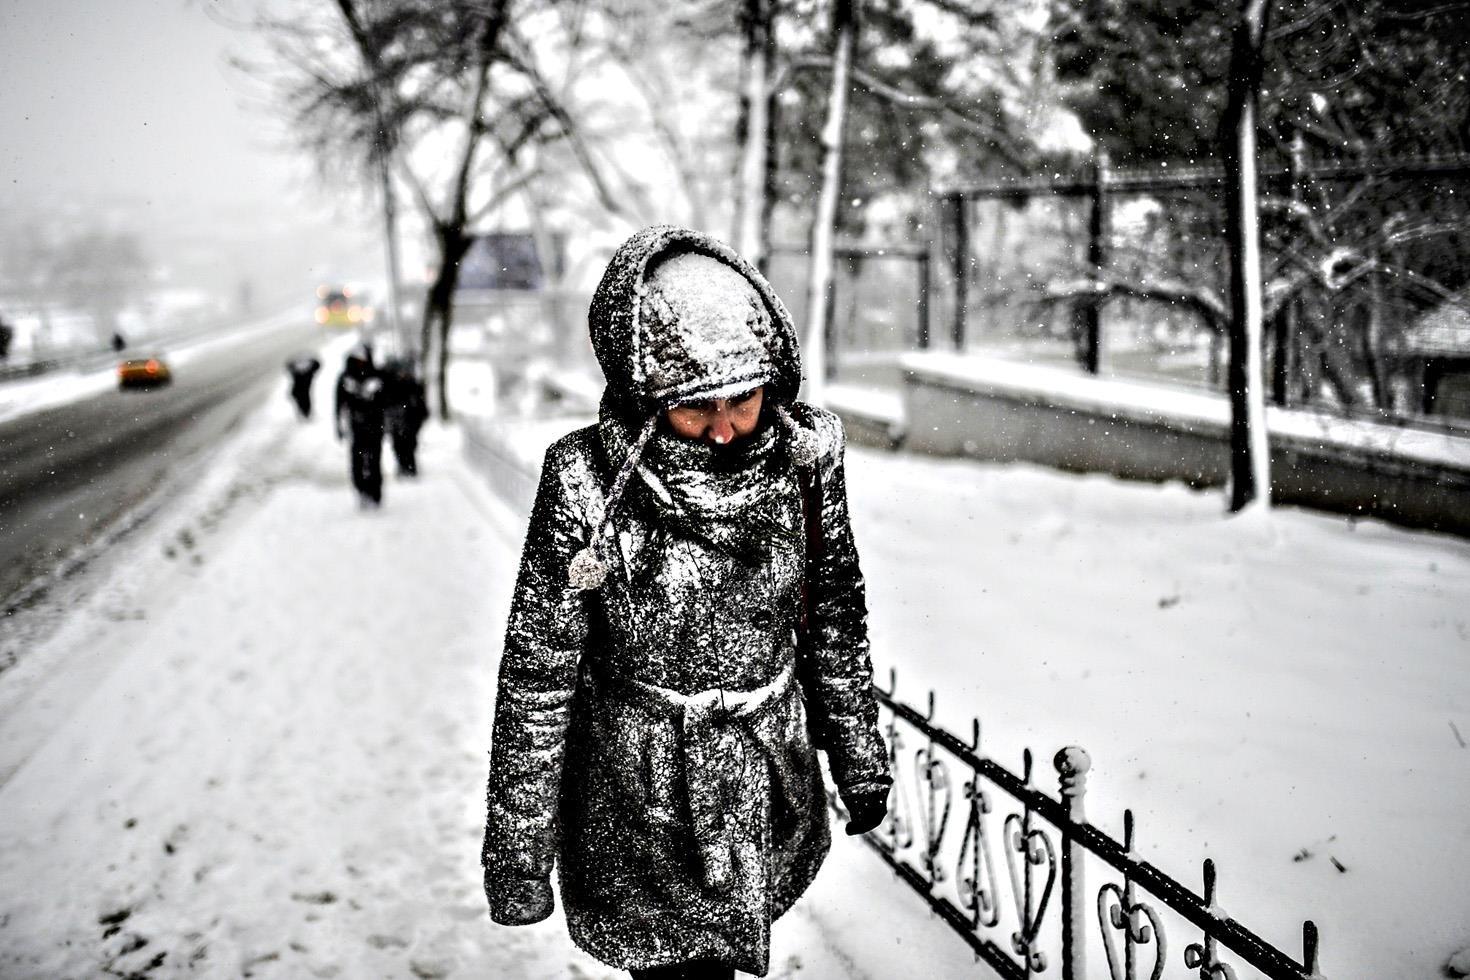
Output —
(1250, 468)
(383, 151)
(1097, 232)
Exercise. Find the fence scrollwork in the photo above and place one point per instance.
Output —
(1120, 910)
(1044, 841)
(979, 896)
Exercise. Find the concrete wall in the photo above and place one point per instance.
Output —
(1007, 411)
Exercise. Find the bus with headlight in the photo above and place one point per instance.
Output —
(342, 306)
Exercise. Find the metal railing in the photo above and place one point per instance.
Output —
(1019, 255)
(940, 838)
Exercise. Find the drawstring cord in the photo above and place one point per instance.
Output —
(588, 570)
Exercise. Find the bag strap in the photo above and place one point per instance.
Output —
(816, 543)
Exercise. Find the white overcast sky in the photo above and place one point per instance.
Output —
(110, 99)
(132, 96)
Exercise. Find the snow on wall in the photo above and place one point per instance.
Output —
(1163, 405)
(1007, 410)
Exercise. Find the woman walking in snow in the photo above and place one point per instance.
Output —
(688, 628)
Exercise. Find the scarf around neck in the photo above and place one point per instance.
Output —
(729, 497)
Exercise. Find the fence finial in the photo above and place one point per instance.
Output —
(1309, 948)
(1073, 764)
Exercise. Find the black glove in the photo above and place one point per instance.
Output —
(866, 810)
(518, 901)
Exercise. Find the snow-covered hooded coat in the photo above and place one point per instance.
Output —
(655, 735)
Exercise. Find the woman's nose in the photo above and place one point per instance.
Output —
(721, 429)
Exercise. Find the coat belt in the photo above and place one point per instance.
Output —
(705, 723)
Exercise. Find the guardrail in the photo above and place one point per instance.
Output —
(940, 838)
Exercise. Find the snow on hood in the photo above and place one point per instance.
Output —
(649, 366)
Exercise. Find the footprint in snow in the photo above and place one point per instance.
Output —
(254, 961)
(429, 969)
(314, 898)
(379, 941)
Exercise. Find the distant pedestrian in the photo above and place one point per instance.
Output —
(359, 410)
(405, 409)
(118, 342)
(303, 369)
(7, 334)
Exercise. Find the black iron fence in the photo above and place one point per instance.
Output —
(1123, 270)
(1006, 867)
(880, 304)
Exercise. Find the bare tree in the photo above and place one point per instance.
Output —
(455, 95)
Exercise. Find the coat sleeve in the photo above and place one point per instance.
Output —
(538, 668)
(838, 671)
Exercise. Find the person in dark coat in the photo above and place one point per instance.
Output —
(688, 628)
(405, 410)
(359, 410)
(302, 368)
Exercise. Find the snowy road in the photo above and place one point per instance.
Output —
(68, 472)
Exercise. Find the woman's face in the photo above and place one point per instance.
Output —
(717, 421)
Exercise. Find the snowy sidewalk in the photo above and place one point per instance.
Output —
(261, 750)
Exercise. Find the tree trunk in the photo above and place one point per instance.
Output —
(1250, 475)
(390, 241)
(824, 221)
(769, 191)
(1373, 359)
(439, 308)
(750, 205)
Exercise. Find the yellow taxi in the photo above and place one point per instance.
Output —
(143, 372)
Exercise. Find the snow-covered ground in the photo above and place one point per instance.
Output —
(1277, 695)
(259, 747)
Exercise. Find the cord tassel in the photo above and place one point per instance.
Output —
(588, 570)
(803, 445)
